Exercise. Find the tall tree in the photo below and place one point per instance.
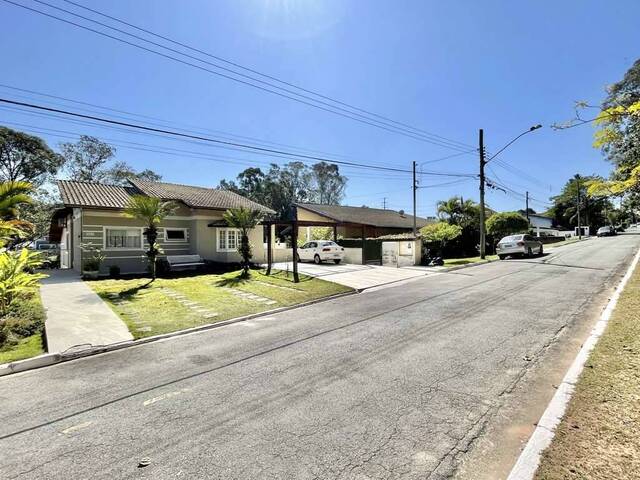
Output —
(152, 211)
(574, 194)
(90, 160)
(282, 186)
(26, 158)
(327, 186)
(87, 159)
(121, 171)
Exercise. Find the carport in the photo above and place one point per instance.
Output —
(295, 225)
(356, 223)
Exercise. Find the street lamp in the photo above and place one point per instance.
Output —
(483, 162)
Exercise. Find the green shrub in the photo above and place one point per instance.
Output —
(25, 317)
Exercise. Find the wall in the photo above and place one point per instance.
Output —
(201, 239)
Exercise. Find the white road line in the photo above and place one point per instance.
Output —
(527, 464)
(74, 428)
(153, 400)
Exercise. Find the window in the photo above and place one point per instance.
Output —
(118, 237)
(228, 239)
(175, 234)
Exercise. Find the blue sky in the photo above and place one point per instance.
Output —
(445, 67)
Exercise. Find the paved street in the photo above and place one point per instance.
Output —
(394, 383)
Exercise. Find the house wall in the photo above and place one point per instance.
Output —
(201, 239)
(307, 216)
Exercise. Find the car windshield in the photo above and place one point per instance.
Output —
(511, 238)
(603, 229)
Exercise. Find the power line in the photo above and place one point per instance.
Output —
(175, 125)
(352, 115)
(149, 32)
(216, 141)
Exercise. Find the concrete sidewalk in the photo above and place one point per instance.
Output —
(76, 315)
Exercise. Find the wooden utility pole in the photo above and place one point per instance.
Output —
(482, 181)
(415, 188)
(527, 207)
(578, 208)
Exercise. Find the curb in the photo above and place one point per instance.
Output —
(528, 461)
(53, 358)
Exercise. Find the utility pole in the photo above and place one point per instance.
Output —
(527, 207)
(578, 207)
(482, 181)
(415, 188)
(384, 203)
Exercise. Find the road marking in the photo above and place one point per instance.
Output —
(74, 428)
(165, 396)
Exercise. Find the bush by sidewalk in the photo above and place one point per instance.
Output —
(21, 329)
(599, 436)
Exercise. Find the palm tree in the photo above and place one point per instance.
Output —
(457, 211)
(152, 211)
(244, 220)
(12, 195)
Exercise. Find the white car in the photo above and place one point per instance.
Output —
(320, 251)
(518, 245)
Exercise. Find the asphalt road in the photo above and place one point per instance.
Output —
(394, 383)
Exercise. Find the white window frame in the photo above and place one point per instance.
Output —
(226, 232)
(174, 240)
(105, 228)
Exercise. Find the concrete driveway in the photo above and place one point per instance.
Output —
(356, 276)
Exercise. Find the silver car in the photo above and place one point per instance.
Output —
(521, 244)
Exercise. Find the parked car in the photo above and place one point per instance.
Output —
(519, 245)
(321, 251)
(606, 231)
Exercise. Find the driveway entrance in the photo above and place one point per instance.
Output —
(355, 276)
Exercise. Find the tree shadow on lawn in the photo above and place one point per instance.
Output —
(131, 292)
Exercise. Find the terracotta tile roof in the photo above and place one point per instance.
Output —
(375, 217)
(99, 195)
(197, 197)
(91, 194)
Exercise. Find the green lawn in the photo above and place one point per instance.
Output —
(160, 307)
(452, 262)
(598, 436)
(25, 348)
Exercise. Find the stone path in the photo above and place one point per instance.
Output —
(124, 305)
(195, 307)
(252, 296)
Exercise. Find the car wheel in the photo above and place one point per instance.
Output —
(502, 257)
(337, 261)
(317, 260)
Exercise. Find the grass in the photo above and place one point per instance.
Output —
(452, 262)
(148, 310)
(599, 436)
(25, 348)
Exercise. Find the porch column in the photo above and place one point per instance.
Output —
(335, 233)
(269, 248)
(294, 246)
(364, 239)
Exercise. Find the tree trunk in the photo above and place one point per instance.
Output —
(152, 253)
